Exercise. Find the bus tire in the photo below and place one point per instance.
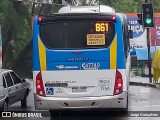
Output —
(125, 110)
(55, 113)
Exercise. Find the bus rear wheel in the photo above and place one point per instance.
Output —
(125, 110)
(55, 113)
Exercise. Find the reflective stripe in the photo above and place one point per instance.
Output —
(42, 55)
(113, 54)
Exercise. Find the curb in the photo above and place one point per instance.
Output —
(143, 84)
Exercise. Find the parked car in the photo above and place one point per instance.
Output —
(12, 89)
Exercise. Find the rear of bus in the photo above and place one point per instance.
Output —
(78, 62)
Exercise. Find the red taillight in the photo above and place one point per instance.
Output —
(39, 85)
(39, 20)
(118, 88)
(113, 17)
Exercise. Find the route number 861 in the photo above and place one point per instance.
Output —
(101, 27)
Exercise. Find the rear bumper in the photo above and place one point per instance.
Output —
(49, 103)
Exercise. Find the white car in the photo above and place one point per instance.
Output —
(12, 89)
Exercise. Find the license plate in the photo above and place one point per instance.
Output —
(79, 89)
(104, 82)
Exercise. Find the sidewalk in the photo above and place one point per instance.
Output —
(142, 81)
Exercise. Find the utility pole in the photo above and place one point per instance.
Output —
(149, 56)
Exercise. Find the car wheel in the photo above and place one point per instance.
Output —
(24, 102)
(5, 106)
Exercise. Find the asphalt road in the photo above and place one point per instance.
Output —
(141, 99)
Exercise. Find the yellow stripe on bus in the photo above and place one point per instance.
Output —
(113, 54)
(42, 55)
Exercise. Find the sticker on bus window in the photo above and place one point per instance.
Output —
(95, 39)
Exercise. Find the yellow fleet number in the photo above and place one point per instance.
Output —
(101, 27)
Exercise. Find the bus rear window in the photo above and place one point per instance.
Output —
(77, 34)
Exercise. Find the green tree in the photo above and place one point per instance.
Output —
(16, 30)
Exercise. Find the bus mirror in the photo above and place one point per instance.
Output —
(130, 34)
